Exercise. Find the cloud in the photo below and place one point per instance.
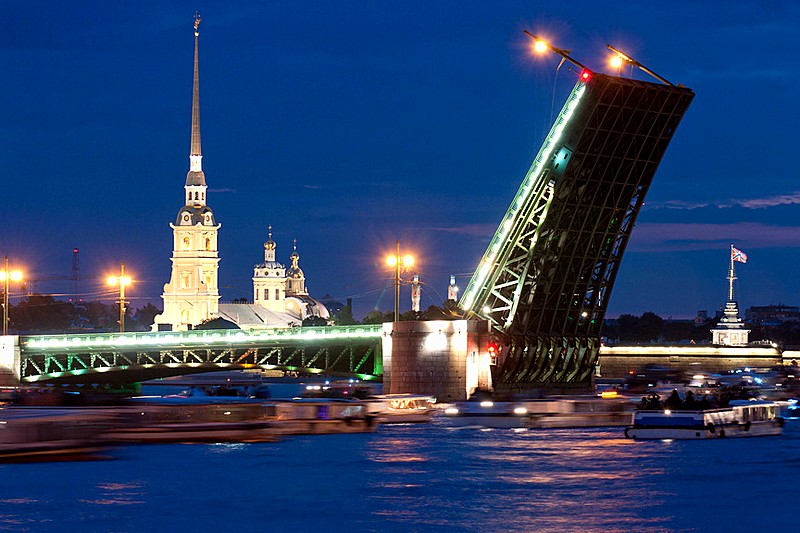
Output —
(471, 230)
(672, 237)
(746, 203)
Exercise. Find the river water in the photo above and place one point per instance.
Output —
(428, 477)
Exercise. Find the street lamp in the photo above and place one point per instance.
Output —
(7, 276)
(122, 280)
(397, 261)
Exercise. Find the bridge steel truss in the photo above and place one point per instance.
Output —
(545, 280)
(347, 351)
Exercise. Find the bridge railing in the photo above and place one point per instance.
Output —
(180, 339)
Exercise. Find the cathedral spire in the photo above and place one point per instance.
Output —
(196, 179)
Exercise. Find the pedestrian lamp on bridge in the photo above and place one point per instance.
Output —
(397, 262)
(122, 280)
(7, 276)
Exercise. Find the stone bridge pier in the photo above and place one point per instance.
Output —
(447, 359)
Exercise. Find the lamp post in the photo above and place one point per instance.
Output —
(121, 280)
(7, 276)
(396, 261)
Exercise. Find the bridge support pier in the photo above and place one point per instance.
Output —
(447, 359)
(9, 360)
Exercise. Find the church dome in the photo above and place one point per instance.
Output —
(294, 271)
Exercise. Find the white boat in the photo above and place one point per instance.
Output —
(554, 412)
(488, 413)
(742, 418)
(401, 408)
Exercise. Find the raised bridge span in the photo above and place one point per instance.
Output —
(347, 351)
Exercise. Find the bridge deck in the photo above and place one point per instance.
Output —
(128, 357)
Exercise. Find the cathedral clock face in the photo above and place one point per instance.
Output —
(186, 218)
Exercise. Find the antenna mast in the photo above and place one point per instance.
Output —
(76, 269)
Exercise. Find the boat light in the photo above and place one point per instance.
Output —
(487, 404)
(520, 411)
(667, 412)
(451, 411)
(608, 394)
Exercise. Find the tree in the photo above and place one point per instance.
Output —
(314, 321)
(344, 317)
(377, 317)
(144, 317)
(41, 313)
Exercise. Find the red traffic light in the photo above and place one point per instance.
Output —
(585, 75)
(492, 348)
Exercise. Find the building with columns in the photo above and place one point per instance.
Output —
(192, 295)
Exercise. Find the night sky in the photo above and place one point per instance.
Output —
(348, 125)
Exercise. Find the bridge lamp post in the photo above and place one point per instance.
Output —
(7, 276)
(397, 262)
(122, 280)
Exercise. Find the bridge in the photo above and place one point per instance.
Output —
(545, 280)
(346, 351)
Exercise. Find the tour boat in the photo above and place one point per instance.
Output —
(742, 418)
(401, 408)
(53, 434)
(609, 410)
(488, 413)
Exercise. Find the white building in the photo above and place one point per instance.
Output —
(280, 297)
(192, 295)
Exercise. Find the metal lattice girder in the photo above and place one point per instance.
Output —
(552, 263)
(549, 359)
(344, 351)
(545, 280)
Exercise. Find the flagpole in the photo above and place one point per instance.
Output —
(731, 277)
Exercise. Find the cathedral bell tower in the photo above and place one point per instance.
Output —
(192, 294)
(269, 285)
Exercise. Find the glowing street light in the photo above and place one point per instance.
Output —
(398, 261)
(540, 46)
(7, 276)
(621, 58)
(122, 280)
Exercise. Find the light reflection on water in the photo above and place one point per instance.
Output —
(416, 478)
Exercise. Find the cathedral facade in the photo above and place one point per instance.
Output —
(192, 295)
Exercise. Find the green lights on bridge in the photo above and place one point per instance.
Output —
(197, 338)
(530, 185)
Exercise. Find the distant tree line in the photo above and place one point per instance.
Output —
(650, 327)
(40, 313)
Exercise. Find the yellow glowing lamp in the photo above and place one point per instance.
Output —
(119, 280)
(608, 394)
(405, 261)
(540, 46)
(14, 275)
(616, 61)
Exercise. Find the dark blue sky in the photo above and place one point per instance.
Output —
(348, 125)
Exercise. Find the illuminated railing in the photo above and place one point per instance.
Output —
(170, 339)
(523, 196)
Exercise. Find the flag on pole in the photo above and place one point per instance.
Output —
(738, 255)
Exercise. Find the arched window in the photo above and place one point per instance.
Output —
(266, 294)
(184, 316)
(208, 244)
(186, 243)
(196, 195)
